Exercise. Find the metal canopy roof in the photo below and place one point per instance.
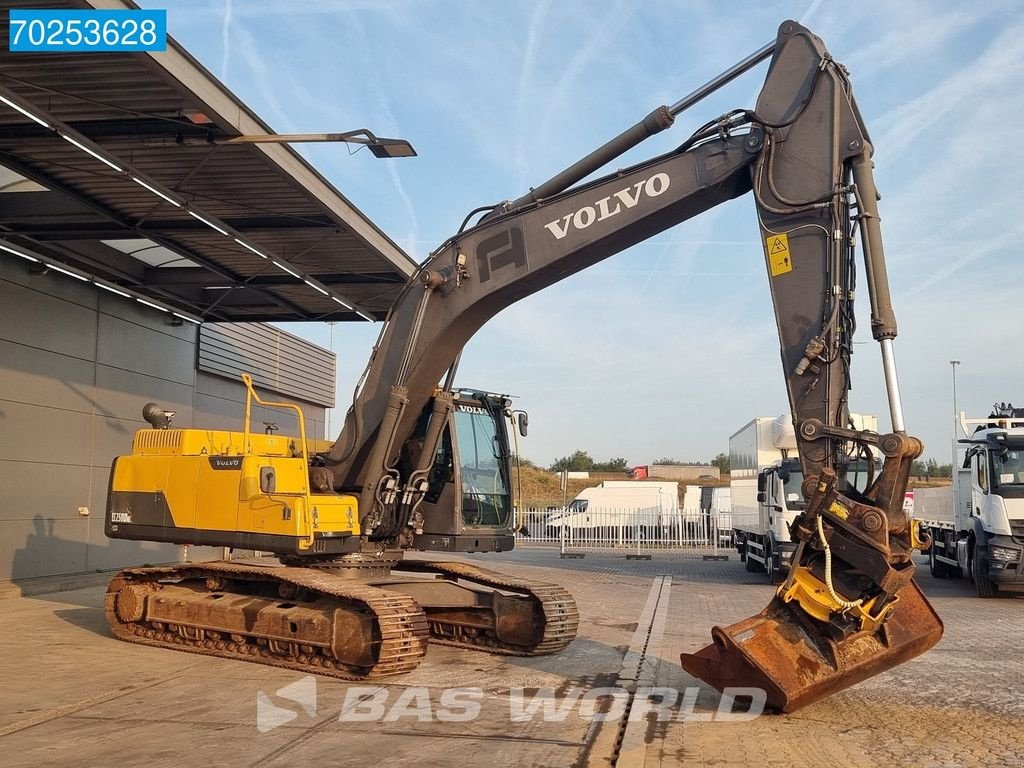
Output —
(116, 174)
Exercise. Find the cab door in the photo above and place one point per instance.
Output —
(481, 471)
(981, 482)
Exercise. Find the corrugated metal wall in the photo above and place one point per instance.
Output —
(276, 360)
(76, 367)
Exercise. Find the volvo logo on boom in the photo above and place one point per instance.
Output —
(609, 206)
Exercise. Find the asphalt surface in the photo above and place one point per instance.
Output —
(75, 696)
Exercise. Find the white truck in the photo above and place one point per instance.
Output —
(765, 489)
(977, 525)
(619, 507)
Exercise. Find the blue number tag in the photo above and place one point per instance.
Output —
(87, 31)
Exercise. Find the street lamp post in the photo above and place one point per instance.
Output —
(380, 147)
(956, 414)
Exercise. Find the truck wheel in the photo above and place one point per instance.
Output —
(751, 564)
(939, 570)
(775, 575)
(982, 584)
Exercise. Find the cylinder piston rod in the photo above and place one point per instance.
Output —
(892, 386)
(728, 76)
(660, 119)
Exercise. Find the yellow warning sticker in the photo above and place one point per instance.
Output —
(838, 509)
(779, 260)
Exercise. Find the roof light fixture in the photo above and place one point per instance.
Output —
(25, 112)
(287, 269)
(208, 223)
(249, 247)
(151, 304)
(316, 287)
(16, 252)
(112, 289)
(90, 151)
(156, 192)
(67, 272)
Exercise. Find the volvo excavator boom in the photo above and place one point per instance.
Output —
(849, 607)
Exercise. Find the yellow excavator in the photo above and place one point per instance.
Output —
(423, 465)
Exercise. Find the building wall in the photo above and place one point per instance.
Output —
(76, 366)
(684, 472)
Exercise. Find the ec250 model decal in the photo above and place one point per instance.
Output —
(609, 206)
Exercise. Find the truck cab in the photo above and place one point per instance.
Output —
(779, 500)
(989, 507)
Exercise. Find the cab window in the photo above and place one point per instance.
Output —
(981, 470)
(485, 493)
(1008, 467)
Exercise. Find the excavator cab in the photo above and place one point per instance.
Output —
(468, 503)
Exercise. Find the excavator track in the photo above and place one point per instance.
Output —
(296, 618)
(554, 617)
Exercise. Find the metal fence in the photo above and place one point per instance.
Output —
(624, 530)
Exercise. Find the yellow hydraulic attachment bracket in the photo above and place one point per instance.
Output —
(819, 598)
(917, 541)
(816, 599)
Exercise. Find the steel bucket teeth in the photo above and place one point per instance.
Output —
(793, 659)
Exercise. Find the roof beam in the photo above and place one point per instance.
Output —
(127, 128)
(169, 196)
(30, 172)
(104, 231)
(189, 276)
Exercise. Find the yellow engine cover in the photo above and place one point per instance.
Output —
(216, 484)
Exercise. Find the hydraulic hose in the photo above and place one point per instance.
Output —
(828, 572)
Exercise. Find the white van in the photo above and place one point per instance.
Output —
(618, 504)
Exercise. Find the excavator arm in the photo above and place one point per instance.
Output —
(849, 607)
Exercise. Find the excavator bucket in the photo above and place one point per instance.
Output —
(796, 661)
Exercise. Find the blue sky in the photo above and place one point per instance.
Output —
(668, 348)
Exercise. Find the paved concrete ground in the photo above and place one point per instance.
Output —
(74, 696)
